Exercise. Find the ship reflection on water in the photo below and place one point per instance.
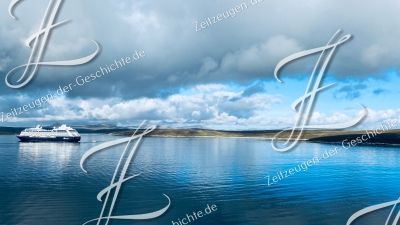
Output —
(56, 154)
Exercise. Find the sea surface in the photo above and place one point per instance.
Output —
(42, 183)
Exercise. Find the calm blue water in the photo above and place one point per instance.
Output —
(42, 183)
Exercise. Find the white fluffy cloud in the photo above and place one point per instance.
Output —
(209, 104)
(213, 106)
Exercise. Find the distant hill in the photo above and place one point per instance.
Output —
(200, 133)
(10, 130)
(269, 134)
(390, 137)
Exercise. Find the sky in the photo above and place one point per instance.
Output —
(220, 76)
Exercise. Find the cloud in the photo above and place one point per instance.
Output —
(350, 92)
(221, 109)
(139, 19)
(259, 58)
(210, 87)
(240, 50)
(379, 91)
(207, 107)
(254, 89)
(209, 64)
(182, 57)
(373, 55)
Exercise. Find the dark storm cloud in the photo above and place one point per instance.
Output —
(242, 49)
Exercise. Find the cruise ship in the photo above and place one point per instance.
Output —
(62, 133)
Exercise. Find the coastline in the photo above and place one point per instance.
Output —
(387, 138)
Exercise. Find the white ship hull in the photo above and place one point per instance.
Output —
(48, 139)
(60, 134)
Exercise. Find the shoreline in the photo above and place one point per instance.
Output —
(386, 138)
(359, 144)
